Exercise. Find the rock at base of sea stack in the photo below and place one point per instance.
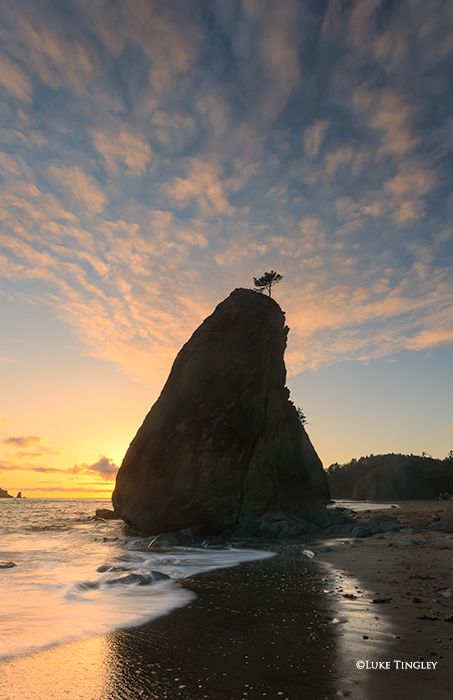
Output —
(223, 444)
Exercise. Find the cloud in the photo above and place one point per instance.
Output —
(202, 185)
(125, 148)
(39, 42)
(83, 187)
(30, 445)
(278, 31)
(392, 117)
(104, 467)
(95, 488)
(174, 158)
(22, 441)
(314, 136)
(13, 467)
(14, 79)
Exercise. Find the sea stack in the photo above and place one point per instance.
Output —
(223, 444)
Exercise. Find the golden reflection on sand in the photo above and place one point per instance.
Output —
(77, 671)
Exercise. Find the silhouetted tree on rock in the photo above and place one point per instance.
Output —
(267, 281)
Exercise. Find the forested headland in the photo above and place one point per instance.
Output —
(436, 473)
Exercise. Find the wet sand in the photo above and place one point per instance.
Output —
(282, 628)
(411, 577)
(258, 630)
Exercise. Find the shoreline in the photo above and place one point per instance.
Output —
(285, 627)
(260, 629)
(411, 576)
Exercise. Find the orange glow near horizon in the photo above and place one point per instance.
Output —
(152, 161)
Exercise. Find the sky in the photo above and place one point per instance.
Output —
(155, 156)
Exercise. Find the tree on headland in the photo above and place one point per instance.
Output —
(267, 281)
(436, 472)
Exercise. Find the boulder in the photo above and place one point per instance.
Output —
(223, 444)
(384, 517)
(339, 518)
(361, 532)
(106, 514)
(445, 524)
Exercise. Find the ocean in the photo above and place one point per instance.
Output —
(75, 577)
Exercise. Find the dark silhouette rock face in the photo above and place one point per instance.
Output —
(223, 443)
(393, 484)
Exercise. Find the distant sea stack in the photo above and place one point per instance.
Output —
(223, 443)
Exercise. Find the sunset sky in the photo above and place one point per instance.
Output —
(156, 155)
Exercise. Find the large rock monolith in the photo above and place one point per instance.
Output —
(223, 443)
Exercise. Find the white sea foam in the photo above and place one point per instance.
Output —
(76, 577)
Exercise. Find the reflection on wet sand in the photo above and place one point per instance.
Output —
(259, 630)
(75, 671)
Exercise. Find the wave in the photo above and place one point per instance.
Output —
(43, 611)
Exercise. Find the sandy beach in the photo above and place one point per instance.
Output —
(415, 624)
(288, 628)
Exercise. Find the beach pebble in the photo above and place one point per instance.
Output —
(379, 536)
(407, 543)
(364, 636)
(308, 554)
(357, 541)
(448, 593)
(409, 531)
(324, 550)
(7, 564)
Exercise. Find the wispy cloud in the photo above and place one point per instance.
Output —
(14, 79)
(22, 441)
(40, 469)
(27, 447)
(314, 136)
(174, 158)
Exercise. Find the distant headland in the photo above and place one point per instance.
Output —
(5, 494)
